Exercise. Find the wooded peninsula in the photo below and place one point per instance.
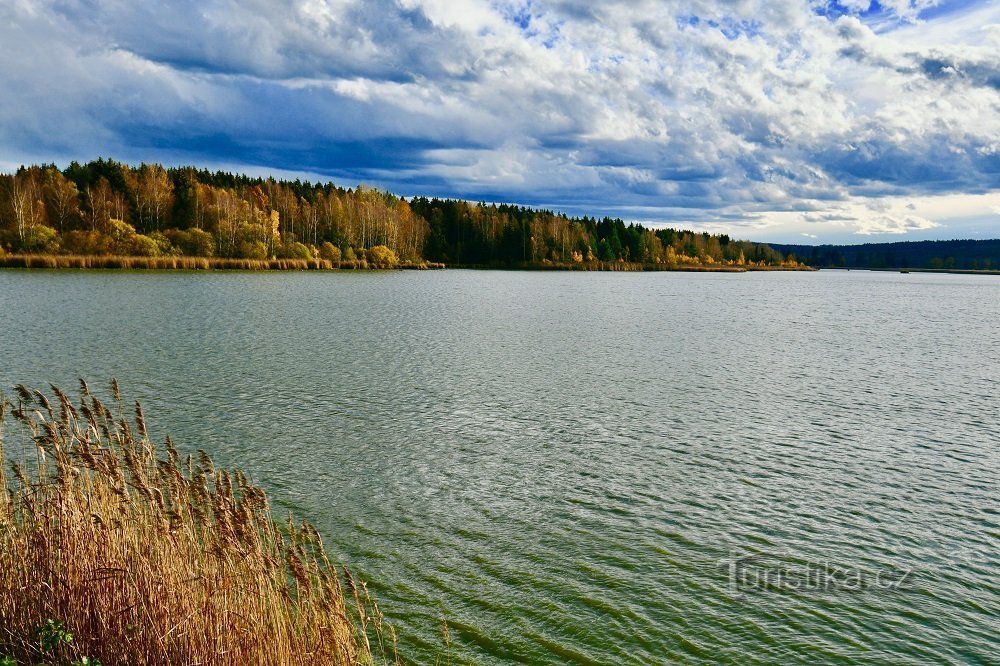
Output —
(106, 214)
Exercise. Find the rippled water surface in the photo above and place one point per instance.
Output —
(588, 468)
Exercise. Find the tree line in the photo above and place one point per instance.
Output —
(505, 235)
(106, 207)
(931, 254)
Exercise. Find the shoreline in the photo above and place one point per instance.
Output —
(945, 271)
(117, 262)
(629, 267)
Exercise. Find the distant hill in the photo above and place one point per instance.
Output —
(943, 254)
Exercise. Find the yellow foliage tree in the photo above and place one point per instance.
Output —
(382, 256)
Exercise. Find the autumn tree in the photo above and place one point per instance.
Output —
(62, 199)
(159, 192)
(26, 201)
(98, 200)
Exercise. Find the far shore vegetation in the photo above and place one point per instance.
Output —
(962, 255)
(105, 214)
(115, 552)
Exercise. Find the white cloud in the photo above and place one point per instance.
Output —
(751, 114)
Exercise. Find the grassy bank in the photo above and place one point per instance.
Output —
(112, 554)
(66, 261)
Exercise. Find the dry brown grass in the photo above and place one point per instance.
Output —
(159, 560)
(69, 261)
(159, 263)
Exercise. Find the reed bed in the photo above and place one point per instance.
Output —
(145, 559)
(160, 263)
(68, 261)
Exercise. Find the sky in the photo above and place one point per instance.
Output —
(806, 121)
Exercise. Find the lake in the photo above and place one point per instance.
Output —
(587, 468)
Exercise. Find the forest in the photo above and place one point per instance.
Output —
(106, 207)
(982, 255)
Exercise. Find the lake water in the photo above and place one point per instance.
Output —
(588, 468)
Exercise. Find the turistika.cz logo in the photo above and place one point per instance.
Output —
(784, 572)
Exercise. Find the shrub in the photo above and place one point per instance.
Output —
(193, 242)
(86, 243)
(141, 246)
(120, 231)
(292, 250)
(166, 248)
(382, 257)
(330, 252)
(251, 250)
(37, 238)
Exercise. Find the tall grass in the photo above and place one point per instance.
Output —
(158, 560)
(63, 261)
(159, 263)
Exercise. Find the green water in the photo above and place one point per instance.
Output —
(572, 468)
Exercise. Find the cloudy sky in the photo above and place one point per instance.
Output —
(775, 120)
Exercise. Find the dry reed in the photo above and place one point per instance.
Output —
(158, 560)
(65, 261)
(159, 263)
